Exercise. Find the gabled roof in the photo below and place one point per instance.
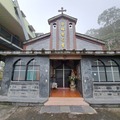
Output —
(90, 38)
(37, 38)
(64, 16)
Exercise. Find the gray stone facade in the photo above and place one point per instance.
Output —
(62, 30)
(101, 89)
(26, 89)
(87, 82)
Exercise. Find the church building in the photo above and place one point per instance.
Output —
(53, 60)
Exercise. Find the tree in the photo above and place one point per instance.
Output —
(109, 16)
(110, 28)
(92, 32)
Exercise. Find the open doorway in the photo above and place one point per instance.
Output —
(60, 71)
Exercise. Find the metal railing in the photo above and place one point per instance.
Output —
(10, 37)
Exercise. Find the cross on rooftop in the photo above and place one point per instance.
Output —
(61, 10)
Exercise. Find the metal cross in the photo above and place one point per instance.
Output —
(61, 10)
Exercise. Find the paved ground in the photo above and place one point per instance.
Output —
(33, 113)
(68, 109)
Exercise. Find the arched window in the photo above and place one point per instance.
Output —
(70, 25)
(112, 70)
(54, 25)
(19, 69)
(98, 71)
(33, 71)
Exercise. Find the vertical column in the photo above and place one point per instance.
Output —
(62, 25)
(63, 76)
(57, 36)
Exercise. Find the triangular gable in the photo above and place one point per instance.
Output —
(64, 16)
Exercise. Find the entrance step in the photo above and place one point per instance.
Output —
(65, 101)
(67, 105)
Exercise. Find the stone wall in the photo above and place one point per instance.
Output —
(26, 89)
(7, 75)
(93, 89)
(87, 83)
(106, 90)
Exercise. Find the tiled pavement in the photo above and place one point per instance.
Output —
(68, 109)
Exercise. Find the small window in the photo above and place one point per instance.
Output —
(70, 25)
(54, 25)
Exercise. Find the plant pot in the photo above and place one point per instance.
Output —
(72, 86)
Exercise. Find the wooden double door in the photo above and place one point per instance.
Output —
(62, 76)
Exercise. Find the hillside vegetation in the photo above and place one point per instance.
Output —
(109, 30)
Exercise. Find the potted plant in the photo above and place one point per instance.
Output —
(72, 80)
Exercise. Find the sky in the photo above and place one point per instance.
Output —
(86, 11)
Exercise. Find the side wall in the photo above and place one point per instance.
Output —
(100, 89)
(26, 89)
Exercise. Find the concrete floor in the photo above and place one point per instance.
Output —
(8, 112)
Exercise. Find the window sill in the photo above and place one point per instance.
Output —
(109, 83)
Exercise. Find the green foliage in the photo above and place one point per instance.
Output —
(110, 31)
(1, 75)
(2, 64)
(72, 78)
(109, 16)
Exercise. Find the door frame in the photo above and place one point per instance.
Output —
(63, 73)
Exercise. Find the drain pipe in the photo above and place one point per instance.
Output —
(21, 20)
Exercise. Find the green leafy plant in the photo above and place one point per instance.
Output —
(72, 78)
